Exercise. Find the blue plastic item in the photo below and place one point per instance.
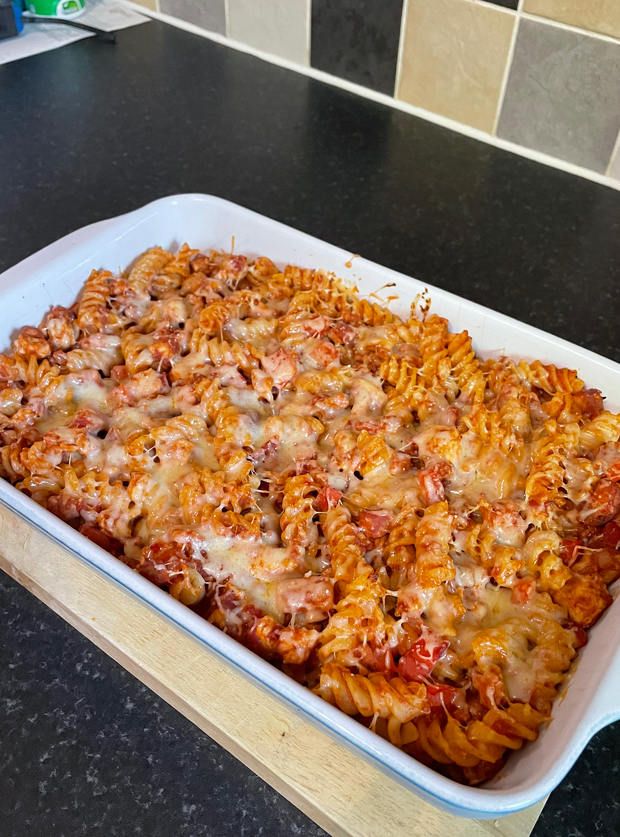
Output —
(11, 21)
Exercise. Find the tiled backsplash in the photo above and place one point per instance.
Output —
(543, 74)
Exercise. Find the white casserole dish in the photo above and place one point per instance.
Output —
(54, 276)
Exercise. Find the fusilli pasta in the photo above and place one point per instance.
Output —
(418, 535)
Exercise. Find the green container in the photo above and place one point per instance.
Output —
(56, 8)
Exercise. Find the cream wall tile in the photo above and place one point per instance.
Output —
(276, 26)
(208, 14)
(454, 57)
(596, 15)
(149, 4)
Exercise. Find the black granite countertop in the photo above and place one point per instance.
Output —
(92, 130)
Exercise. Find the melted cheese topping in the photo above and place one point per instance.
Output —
(353, 494)
(513, 631)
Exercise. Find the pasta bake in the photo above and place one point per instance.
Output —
(419, 535)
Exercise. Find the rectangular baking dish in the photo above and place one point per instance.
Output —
(54, 276)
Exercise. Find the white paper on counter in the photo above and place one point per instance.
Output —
(41, 37)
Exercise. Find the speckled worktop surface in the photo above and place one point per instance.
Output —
(92, 130)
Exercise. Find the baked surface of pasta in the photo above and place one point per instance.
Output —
(420, 536)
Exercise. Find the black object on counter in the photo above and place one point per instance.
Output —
(107, 37)
(86, 749)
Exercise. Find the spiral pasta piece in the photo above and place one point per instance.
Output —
(544, 484)
(219, 352)
(374, 453)
(402, 376)
(93, 313)
(432, 541)
(372, 695)
(501, 561)
(11, 465)
(299, 532)
(145, 266)
(400, 546)
(601, 430)
(550, 378)
(541, 555)
(466, 372)
(347, 558)
(436, 364)
(448, 742)
(358, 629)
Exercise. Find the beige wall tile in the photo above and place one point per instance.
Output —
(276, 26)
(454, 57)
(149, 4)
(596, 15)
(614, 168)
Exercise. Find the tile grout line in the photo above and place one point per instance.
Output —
(615, 152)
(507, 69)
(489, 4)
(401, 47)
(308, 32)
(386, 100)
(226, 17)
